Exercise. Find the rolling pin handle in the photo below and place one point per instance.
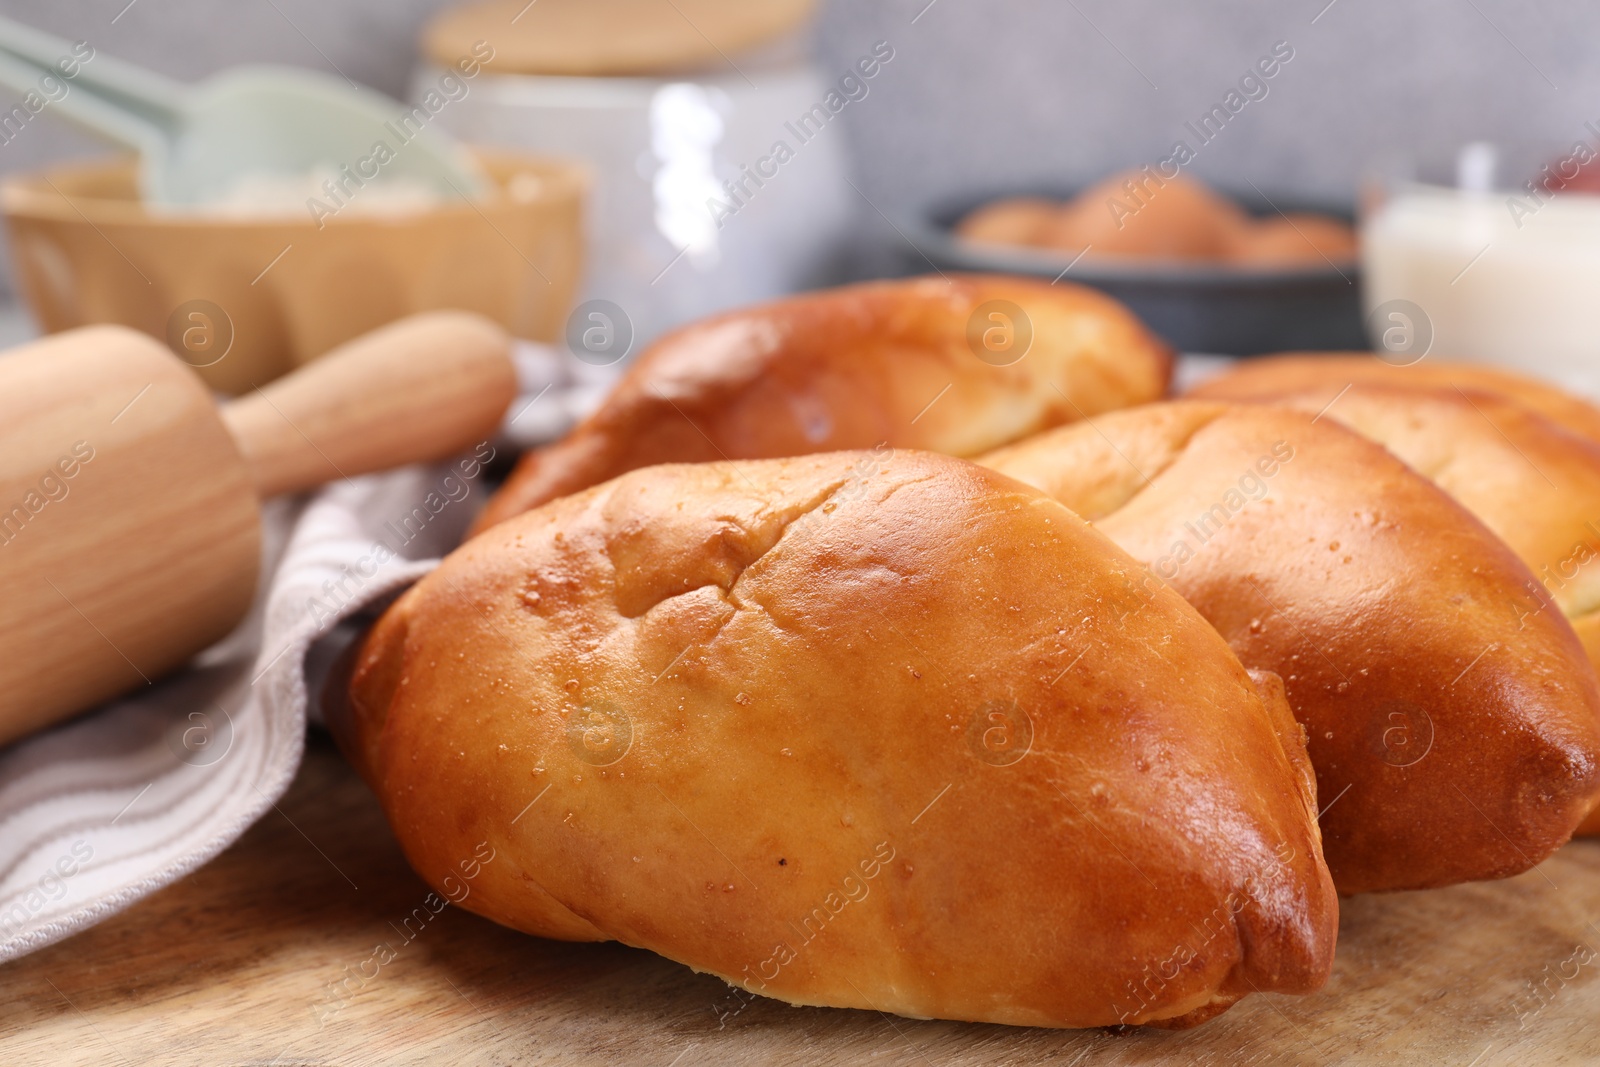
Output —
(418, 390)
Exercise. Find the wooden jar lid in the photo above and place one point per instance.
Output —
(608, 37)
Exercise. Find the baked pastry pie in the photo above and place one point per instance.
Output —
(883, 730)
(1454, 737)
(1522, 456)
(957, 365)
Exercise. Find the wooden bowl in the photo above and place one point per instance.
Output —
(244, 300)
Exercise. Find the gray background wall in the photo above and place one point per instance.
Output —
(1006, 90)
(988, 94)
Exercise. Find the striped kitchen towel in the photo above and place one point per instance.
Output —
(101, 811)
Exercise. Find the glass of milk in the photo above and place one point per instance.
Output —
(1499, 263)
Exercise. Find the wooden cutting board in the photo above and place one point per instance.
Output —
(239, 964)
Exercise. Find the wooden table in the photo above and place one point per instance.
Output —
(239, 963)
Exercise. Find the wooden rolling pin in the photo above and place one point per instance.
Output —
(130, 527)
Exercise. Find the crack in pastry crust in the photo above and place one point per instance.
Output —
(829, 725)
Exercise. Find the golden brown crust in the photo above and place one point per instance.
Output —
(1454, 737)
(371, 674)
(1326, 373)
(883, 730)
(1530, 480)
(878, 363)
(1522, 456)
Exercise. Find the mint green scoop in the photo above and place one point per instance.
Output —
(197, 143)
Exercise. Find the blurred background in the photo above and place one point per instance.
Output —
(979, 99)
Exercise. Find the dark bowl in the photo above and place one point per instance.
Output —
(1198, 307)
